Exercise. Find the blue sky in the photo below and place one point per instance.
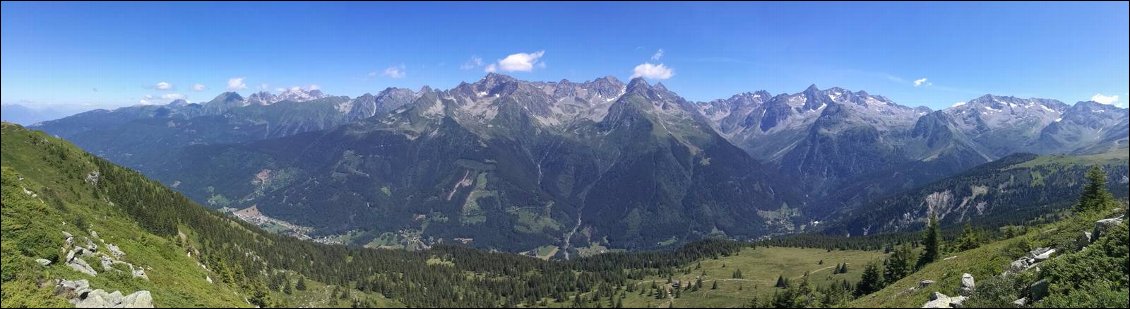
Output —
(117, 54)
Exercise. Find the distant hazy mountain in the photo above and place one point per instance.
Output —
(847, 147)
(24, 115)
(506, 164)
(516, 165)
(136, 136)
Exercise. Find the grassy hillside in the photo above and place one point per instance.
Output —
(759, 268)
(49, 189)
(985, 262)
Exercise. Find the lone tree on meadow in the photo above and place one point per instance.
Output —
(931, 242)
(1095, 195)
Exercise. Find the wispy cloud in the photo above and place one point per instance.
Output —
(198, 87)
(173, 96)
(396, 72)
(163, 86)
(146, 100)
(1105, 99)
(922, 82)
(313, 87)
(653, 71)
(236, 83)
(520, 62)
(471, 64)
(657, 55)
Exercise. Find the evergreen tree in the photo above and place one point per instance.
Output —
(871, 281)
(968, 239)
(714, 286)
(931, 242)
(782, 282)
(1095, 195)
(898, 264)
(301, 286)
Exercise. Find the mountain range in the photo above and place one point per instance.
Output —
(583, 167)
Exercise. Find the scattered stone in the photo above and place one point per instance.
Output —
(209, 278)
(78, 293)
(1045, 255)
(90, 244)
(139, 299)
(92, 178)
(117, 252)
(138, 272)
(925, 283)
(81, 266)
(95, 299)
(1037, 252)
(43, 262)
(956, 302)
(115, 297)
(94, 234)
(1020, 302)
(1038, 290)
(107, 263)
(967, 284)
(1104, 225)
(70, 256)
(71, 288)
(937, 300)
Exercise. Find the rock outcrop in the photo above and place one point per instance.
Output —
(78, 292)
(967, 285)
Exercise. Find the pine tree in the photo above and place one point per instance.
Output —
(968, 239)
(301, 286)
(714, 286)
(782, 282)
(898, 264)
(871, 281)
(1095, 195)
(931, 242)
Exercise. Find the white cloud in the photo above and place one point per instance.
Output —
(280, 89)
(172, 96)
(521, 62)
(264, 87)
(236, 83)
(1104, 99)
(657, 55)
(313, 87)
(146, 100)
(394, 71)
(373, 74)
(198, 87)
(471, 64)
(653, 71)
(163, 86)
(922, 81)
